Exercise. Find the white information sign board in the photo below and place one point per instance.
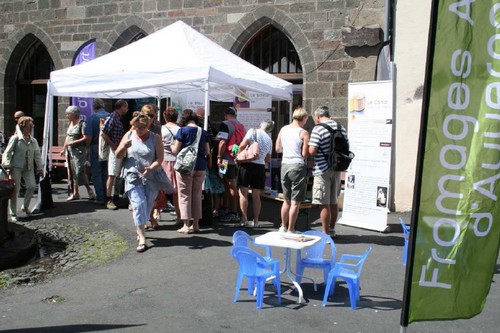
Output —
(255, 101)
(191, 100)
(370, 138)
(251, 118)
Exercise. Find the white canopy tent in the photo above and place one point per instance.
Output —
(173, 60)
(176, 59)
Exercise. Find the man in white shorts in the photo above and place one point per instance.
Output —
(112, 132)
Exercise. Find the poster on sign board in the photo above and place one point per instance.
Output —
(191, 100)
(253, 101)
(366, 193)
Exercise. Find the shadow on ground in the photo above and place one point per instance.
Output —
(69, 328)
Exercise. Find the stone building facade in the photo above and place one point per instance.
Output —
(331, 51)
(336, 42)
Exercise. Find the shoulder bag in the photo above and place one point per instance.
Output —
(251, 151)
(186, 158)
(103, 145)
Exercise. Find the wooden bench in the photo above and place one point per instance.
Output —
(59, 168)
(302, 223)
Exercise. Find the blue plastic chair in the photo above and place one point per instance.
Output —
(313, 255)
(349, 269)
(241, 238)
(250, 265)
(406, 233)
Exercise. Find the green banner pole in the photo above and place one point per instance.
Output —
(419, 168)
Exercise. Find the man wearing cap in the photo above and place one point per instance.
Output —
(228, 128)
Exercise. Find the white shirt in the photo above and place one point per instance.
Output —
(264, 141)
(292, 145)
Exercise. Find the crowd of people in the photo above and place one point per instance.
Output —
(144, 159)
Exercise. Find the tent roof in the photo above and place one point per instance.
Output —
(173, 60)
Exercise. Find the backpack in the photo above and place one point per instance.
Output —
(340, 157)
(235, 139)
(186, 158)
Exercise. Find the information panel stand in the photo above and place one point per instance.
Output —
(366, 195)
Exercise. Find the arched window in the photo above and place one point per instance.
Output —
(36, 64)
(130, 35)
(31, 84)
(272, 51)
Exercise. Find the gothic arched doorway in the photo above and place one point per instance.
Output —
(29, 67)
(272, 51)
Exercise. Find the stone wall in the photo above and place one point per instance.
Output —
(329, 57)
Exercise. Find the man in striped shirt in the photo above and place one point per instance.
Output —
(326, 180)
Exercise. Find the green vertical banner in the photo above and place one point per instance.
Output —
(456, 214)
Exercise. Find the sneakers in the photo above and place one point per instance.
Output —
(91, 195)
(250, 224)
(282, 229)
(223, 212)
(332, 233)
(231, 217)
(13, 218)
(169, 207)
(111, 205)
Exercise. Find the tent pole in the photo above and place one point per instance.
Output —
(46, 144)
(207, 107)
(158, 104)
(47, 130)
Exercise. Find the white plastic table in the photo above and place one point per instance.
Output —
(288, 241)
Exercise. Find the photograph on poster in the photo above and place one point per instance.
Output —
(350, 181)
(241, 103)
(357, 102)
(381, 196)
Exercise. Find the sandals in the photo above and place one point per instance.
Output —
(157, 214)
(188, 230)
(184, 230)
(153, 227)
(141, 248)
(73, 197)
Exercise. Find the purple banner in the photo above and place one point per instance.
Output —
(85, 53)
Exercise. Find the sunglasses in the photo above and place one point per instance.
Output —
(150, 115)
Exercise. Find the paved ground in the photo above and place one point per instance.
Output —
(185, 283)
